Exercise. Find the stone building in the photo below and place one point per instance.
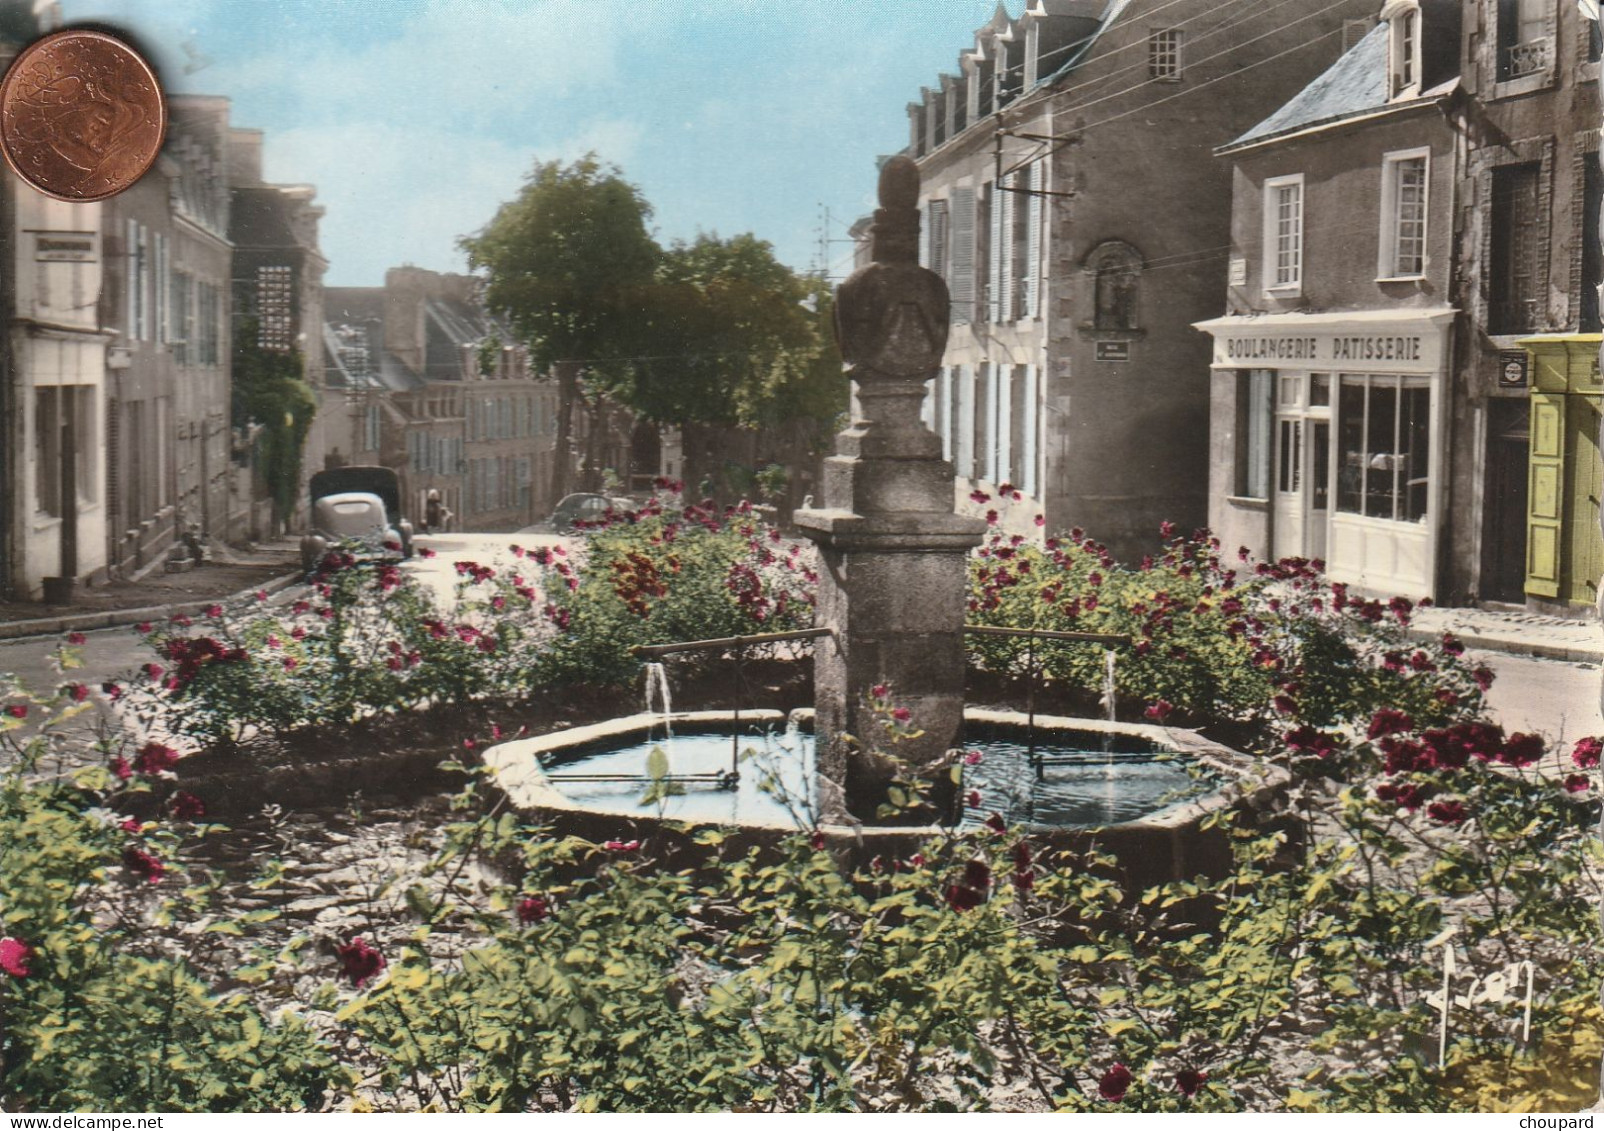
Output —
(1075, 209)
(164, 301)
(1525, 446)
(277, 292)
(446, 396)
(1405, 230)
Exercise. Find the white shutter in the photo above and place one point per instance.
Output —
(1032, 418)
(965, 444)
(944, 420)
(993, 389)
(924, 234)
(938, 238)
(163, 289)
(131, 279)
(962, 285)
(1005, 281)
(1004, 445)
(1033, 242)
(994, 257)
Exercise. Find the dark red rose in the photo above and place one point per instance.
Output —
(359, 961)
(143, 864)
(1585, 754)
(1189, 1080)
(1389, 720)
(1578, 783)
(1115, 1083)
(1448, 812)
(1523, 749)
(533, 909)
(154, 758)
(186, 807)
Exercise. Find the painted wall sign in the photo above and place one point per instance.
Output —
(1512, 369)
(64, 247)
(1114, 351)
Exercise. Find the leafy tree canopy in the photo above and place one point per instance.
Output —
(567, 260)
(711, 331)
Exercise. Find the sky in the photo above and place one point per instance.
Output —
(416, 119)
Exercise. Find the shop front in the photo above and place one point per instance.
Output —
(1564, 550)
(1336, 437)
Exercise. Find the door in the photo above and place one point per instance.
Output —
(1318, 476)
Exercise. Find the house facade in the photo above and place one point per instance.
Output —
(169, 470)
(1402, 384)
(1072, 202)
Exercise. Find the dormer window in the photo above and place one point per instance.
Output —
(1403, 48)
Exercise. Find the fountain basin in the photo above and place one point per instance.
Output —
(1167, 841)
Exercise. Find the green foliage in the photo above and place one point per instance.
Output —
(1276, 645)
(567, 262)
(102, 1019)
(270, 390)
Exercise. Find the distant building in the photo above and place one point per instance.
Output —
(446, 398)
(1073, 204)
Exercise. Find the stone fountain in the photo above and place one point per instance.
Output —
(893, 550)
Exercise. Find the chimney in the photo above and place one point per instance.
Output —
(244, 156)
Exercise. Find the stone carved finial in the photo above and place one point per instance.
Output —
(892, 315)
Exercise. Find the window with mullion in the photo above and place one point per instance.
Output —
(1283, 233)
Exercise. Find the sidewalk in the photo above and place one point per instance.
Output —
(271, 566)
(1520, 633)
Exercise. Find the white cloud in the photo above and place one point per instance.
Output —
(404, 194)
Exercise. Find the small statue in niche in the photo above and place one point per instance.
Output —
(1117, 269)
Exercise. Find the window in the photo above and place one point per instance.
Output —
(1283, 234)
(1403, 49)
(982, 413)
(1516, 271)
(370, 431)
(1164, 54)
(1289, 477)
(1254, 405)
(274, 309)
(63, 415)
(183, 317)
(1525, 38)
(1403, 215)
(1383, 437)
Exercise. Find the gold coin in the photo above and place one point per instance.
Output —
(82, 116)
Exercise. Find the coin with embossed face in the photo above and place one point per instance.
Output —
(81, 115)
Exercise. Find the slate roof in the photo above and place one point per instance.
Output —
(1110, 14)
(1354, 84)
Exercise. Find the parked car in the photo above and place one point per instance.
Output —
(586, 506)
(356, 504)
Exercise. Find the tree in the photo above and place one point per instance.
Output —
(737, 338)
(269, 391)
(568, 261)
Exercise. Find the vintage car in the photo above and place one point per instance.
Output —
(356, 505)
(586, 507)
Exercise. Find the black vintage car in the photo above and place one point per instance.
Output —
(356, 504)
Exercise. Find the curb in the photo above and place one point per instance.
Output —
(1574, 655)
(113, 618)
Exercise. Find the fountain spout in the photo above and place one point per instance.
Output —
(657, 679)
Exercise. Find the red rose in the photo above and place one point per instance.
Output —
(1585, 754)
(1115, 1083)
(77, 638)
(1189, 1080)
(359, 961)
(187, 807)
(143, 864)
(533, 909)
(154, 758)
(14, 956)
(18, 710)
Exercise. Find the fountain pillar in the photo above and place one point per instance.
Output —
(892, 586)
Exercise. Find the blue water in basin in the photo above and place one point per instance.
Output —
(1090, 779)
